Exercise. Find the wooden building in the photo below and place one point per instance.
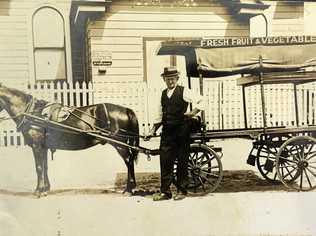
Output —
(115, 41)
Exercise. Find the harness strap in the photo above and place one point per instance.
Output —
(79, 118)
(29, 108)
(107, 116)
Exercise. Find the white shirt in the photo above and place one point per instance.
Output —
(189, 96)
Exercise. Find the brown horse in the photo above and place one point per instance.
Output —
(115, 119)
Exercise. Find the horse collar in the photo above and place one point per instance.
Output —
(29, 108)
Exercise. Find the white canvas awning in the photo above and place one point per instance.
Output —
(220, 57)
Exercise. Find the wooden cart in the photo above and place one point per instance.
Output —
(286, 154)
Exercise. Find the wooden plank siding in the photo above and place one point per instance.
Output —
(124, 26)
(285, 18)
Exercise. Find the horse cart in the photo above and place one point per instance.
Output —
(282, 154)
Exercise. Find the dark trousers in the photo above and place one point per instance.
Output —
(174, 145)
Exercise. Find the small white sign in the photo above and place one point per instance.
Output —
(101, 58)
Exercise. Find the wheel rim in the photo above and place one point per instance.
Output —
(296, 160)
(267, 153)
(205, 169)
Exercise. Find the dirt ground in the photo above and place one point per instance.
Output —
(233, 181)
(86, 198)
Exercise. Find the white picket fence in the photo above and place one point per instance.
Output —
(224, 109)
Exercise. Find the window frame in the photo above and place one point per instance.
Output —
(32, 48)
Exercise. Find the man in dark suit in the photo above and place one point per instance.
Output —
(175, 137)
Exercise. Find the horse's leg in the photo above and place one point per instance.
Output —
(45, 168)
(40, 156)
(38, 168)
(129, 162)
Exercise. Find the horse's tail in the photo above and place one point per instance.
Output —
(134, 128)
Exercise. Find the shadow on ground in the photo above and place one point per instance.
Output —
(233, 181)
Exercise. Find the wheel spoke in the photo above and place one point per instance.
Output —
(310, 157)
(190, 165)
(200, 179)
(207, 180)
(210, 168)
(194, 157)
(302, 151)
(311, 172)
(309, 150)
(312, 166)
(282, 170)
(309, 182)
(287, 160)
(289, 173)
(288, 166)
(210, 174)
(202, 163)
(301, 180)
(297, 151)
(296, 155)
(200, 158)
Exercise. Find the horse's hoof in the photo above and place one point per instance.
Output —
(127, 194)
(37, 194)
(44, 194)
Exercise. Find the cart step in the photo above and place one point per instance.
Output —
(251, 160)
(268, 166)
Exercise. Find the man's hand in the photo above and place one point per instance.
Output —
(191, 113)
(152, 132)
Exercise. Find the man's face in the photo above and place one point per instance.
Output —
(171, 81)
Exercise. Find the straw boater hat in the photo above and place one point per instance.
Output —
(170, 72)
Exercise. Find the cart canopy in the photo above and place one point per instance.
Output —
(227, 56)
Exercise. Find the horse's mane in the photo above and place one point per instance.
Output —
(18, 93)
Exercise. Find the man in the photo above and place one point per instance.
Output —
(175, 138)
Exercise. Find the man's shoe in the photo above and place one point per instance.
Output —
(179, 196)
(161, 197)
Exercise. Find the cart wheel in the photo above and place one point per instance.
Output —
(296, 163)
(266, 157)
(205, 169)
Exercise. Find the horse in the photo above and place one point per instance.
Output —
(115, 119)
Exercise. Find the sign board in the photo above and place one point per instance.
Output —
(217, 57)
(244, 41)
(101, 58)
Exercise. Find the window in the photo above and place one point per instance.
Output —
(49, 45)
